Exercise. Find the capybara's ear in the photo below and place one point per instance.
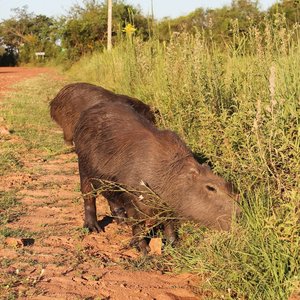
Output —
(156, 111)
(192, 173)
(189, 173)
(206, 167)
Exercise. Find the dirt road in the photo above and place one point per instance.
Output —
(59, 260)
(10, 76)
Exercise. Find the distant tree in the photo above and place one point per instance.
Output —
(218, 22)
(84, 29)
(190, 23)
(289, 8)
(7, 56)
(26, 33)
(244, 12)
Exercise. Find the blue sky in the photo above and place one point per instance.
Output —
(162, 8)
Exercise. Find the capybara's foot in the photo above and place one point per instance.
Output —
(172, 239)
(140, 244)
(92, 226)
(69, 142)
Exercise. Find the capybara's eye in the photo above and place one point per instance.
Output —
(211, 188)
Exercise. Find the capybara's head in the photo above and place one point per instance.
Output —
(207, 197)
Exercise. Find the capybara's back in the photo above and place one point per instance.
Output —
(74, 98)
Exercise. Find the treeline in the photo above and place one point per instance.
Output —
(83, 29)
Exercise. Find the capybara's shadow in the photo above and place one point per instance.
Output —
(27, 241)
(200, 157)
(105, 222)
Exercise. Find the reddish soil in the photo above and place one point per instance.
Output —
(10, 76)
(60, 260)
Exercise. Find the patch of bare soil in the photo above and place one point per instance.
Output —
(54, 258)
(12, 75)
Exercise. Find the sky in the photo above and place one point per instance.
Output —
(162, 8)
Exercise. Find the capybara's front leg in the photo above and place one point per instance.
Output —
(169, 232)
(90, 216)
(138, 229)
(68, 134)
(138, 240)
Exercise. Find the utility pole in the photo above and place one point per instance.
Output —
(151, 31)
(152, 10)
(109, 24)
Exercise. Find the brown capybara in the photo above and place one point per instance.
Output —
(71, 100)
(115, 143)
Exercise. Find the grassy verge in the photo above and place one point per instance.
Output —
(26, 114)
(32, 135)
(239, 107)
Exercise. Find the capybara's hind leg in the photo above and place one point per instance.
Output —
(90, 216)
(68, 136)
(116, 205)
(118, 212)
(117, 208)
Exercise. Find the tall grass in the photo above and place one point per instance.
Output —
(238, 105)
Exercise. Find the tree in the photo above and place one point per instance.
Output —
(244, 12)
(289, 8)
(26, 33)
(190, 23)
(85, 28)
(218, 22)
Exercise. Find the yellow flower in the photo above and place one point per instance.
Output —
(129, 29)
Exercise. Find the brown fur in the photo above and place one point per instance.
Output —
(74, 98)
(115, 143)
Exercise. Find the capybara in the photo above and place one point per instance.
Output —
(115, 143)
(71, 100)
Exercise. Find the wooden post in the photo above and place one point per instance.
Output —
(109, 24)
(152, 11)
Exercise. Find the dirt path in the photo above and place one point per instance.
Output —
(60, 260)
(10, 76)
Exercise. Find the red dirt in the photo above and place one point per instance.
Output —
(10, 76)
(61, 261)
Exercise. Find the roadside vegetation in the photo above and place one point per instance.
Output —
(238, 106)
(231, 89)
(22, 114)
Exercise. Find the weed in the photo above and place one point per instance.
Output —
(6, 262)
(147, 263)
(9, 162)
(8, 200)
(9, 232)
(81, 232)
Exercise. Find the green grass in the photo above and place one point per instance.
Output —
(9, 160)
(9, 232)
(259, 260)
(8, 200)
(239, 107)
(27, 116)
